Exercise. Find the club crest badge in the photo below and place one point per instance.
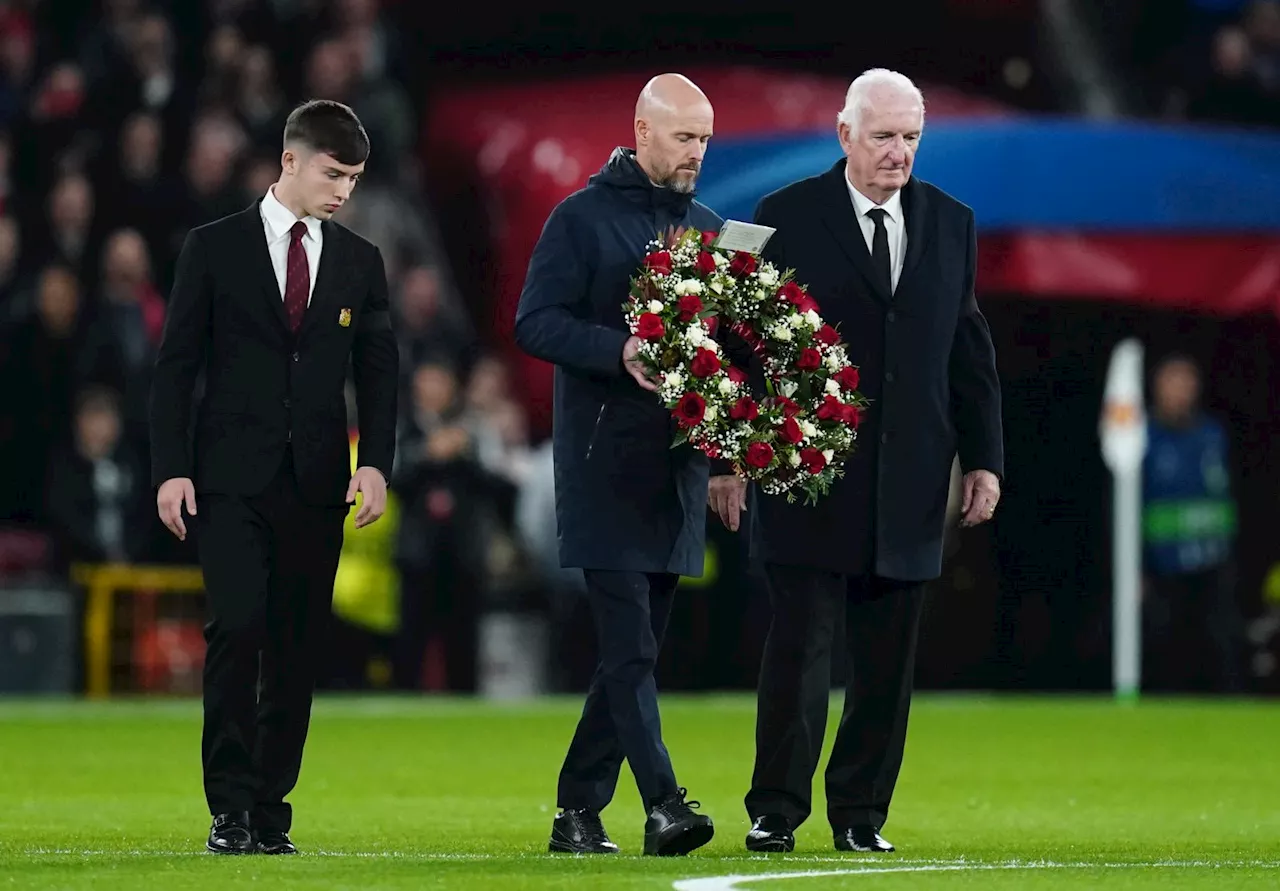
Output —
(344, 317)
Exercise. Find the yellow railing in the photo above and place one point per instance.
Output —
(101, 582)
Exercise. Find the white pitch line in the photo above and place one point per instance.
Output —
(734, 882)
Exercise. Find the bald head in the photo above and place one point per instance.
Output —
(673, 125)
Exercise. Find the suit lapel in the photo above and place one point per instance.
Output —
(841, 217)
(260, 264)
(326, 289)
(915, 207)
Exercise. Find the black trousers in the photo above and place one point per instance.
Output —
(881, 622)
(620, 718)
(269, 562)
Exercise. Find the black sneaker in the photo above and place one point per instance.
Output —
(673, 829)
(579, 831)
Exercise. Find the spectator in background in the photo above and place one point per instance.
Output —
(1234, 91)
(69, 237)
(97, 493)
(1190, 613)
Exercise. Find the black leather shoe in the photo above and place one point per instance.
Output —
(673, 829)
(579, 831)
(273, 841)
(862, 838)
(230, 834)
(771, 834)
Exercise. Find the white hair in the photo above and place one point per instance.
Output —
(858, 98)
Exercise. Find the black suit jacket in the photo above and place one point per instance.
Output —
(926, 363)
(267, 390)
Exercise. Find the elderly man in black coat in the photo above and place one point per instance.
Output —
(631, 510)
(891, 261)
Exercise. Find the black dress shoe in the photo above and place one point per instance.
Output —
(771, 834)
(864, 838)
(273, 841)
(673, 829)
(579, 831)
(230, 834)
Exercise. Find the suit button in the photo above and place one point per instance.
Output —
(891, 316)
(295, 357)
(286, 402)
(888, 377)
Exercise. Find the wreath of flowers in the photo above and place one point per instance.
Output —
(799, 435)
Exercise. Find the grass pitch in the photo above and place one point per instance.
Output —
(425, 793)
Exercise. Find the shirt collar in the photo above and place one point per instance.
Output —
(893, 207)
(280, 219)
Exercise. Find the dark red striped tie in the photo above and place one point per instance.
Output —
(297, 277)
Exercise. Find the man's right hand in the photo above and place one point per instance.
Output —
(635, 367)
(169, 500)
(727, 496)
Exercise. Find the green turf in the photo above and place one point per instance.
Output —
(1001, 794)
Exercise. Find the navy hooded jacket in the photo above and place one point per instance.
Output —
(625, 500)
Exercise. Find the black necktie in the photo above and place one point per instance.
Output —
(880, 248)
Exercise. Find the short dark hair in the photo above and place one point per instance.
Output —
(329, 128)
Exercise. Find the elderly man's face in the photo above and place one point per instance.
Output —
(881, 152)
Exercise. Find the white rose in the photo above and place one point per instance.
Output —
(795, 459)
(834, 362)
(673, 379)
(655, 306)
(689, 286)
(814, 320)
(808, 428)
(795, 320)
(721, 259)
(726, 386)
(710, 413)
(789, 388)
(780, 332)
(758, 294)
(768, 276)
(832, 387)
(709, 344)
(828, 454)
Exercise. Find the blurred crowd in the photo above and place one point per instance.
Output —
(120, 129)
(1223, 64)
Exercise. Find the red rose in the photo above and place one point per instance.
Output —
(810, 360)
(690, 409)
(759, 454)
(827, 335)
(790, 431)
(812, 460)
(658, 262)
(736, 374)
(742, 264)
(708, 237)
(705, 363)
(832, 409)
(689, 306)
(792, 293)
(789, 408)
(847, 377)
(712, 324)
(744, 409)
(706, 263)
(852, 416)
(808, 303)
(650, 327)
(711, 450)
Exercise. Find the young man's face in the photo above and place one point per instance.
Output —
(321, 183)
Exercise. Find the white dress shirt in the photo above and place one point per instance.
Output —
(277, 220)
(894, 225)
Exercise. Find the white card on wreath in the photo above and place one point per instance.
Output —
(736, 235)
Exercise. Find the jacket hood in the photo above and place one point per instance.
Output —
(624, 173)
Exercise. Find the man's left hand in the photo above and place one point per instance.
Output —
(981, 493)
(369, 482)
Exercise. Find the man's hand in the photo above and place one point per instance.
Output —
(727, 496)
(169, 500)
(981, 493)
(635, 367)
(369, 482)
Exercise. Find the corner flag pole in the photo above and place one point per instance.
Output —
(1123, 430)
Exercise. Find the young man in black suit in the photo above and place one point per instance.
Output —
(272, 303)
(891, 261)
